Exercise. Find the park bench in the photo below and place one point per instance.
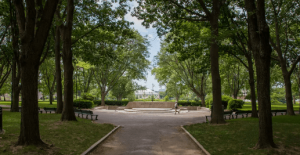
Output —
(278, 111)
(77, 111)
(226, 113)
(87, 113)
(242, 113)
(39, 110)
(49, 110)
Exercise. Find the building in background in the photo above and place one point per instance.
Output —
(144, 94)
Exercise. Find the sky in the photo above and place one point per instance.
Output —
(153, 48)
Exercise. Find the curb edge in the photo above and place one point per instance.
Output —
(99, 141)
(199, 145)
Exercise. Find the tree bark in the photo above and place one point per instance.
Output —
(259, 40)
(34, 23)
(58, 72)
(252, 88)
(16, 90)
(16, 65)
(68, 111)
(102, 98)
(288, 94)
(30, 134)
(217, 113)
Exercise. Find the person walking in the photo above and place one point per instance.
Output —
(176, 107)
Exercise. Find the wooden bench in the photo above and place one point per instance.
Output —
(242, 113)
(49, 110)
(39, 110)
(87, 113)
(226, 113)
(278, 111)
(77, 111)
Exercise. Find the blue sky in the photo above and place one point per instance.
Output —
(153, 49)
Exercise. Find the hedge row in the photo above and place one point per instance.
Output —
(189, 103)
(228, 103)
(83, 103)
(118, 103)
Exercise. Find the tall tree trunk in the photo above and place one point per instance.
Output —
(68, 111)
(252, 88)
(58, 72)
(51, 98)
(30, 133)
(202, 94)
(15, 65)
(259, 40)
(288, 94)
(102, 98)
(202, 100)
(217, 113)
(16, 91)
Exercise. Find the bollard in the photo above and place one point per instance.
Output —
(0, 119)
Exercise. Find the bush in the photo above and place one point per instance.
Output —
(233, 104)
(189, 103)
(83, 103)
(225, 100)
(166, 98)
(131, 97)
(87, 96)
(118, 103)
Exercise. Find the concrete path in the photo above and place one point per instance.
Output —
(149, 134)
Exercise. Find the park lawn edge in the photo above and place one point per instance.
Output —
(239, 136)
(72, 137)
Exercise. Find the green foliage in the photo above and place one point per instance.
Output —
(233, 104)
(83, 103)
(166, 98)
(225, 100)
(118, 103)
(190, 103)
(88, 96)
(131, 97)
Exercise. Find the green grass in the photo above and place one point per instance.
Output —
(239, 136)
(67, 137)
(247, 106)
(42, 104)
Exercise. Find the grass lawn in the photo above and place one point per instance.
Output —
(66, 137)
(239, 136)
(247, 106)
(42, 104)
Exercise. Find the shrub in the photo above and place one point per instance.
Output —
(87, 96)
(225, 100)
(118, 103)
(83, 103)
(166, 98)
(131, 97)
(233, 104)
(189, 103)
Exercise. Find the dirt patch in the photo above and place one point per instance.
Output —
(56, 125)
(109, 145)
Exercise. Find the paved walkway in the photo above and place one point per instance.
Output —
(149, 134)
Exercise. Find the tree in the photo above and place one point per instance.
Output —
(234, 76)
(175, 87)
(259, 36)
(34, 20)
(166, 13)
(193, 71)
(234, 21)
(125, 87)
(282, 42)
(128, 58)
(48, 77)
